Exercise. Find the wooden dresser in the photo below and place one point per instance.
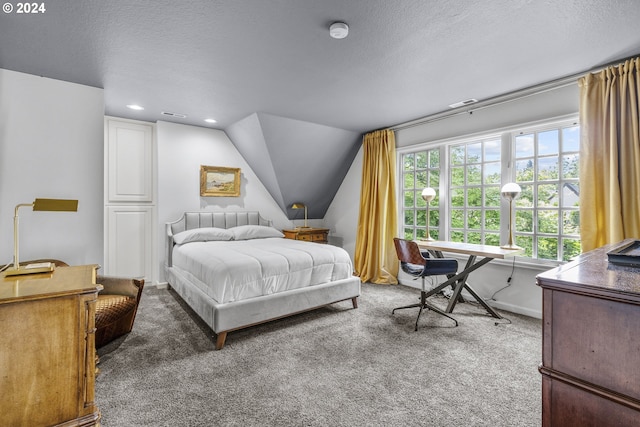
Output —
(47, 351)
(590, 343)
(318, 235)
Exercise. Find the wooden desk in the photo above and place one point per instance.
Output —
(310, 234)
(47, 351)
(590, 346)
(459, 281)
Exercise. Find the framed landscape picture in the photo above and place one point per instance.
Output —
(219, 181)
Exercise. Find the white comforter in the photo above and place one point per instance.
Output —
(235, 270)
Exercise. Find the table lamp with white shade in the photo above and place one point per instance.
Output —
(510, 192)
(428, 194)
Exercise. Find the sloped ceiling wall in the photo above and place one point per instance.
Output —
(296, 161)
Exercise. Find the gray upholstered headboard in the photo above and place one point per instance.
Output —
(191, 220)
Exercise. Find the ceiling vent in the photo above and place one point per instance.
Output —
(463, 103)
(176, 115)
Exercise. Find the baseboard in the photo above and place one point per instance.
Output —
(162, 285)
(496, 304)
(514, 308)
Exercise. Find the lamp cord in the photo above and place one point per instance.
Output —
(513, 266)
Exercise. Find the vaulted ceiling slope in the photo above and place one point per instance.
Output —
(231, 60)
(296, 161)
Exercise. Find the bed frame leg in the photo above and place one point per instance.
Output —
(354, 301)
(222, 336)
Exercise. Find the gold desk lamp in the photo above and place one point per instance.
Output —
(301, 206)
(51, 205)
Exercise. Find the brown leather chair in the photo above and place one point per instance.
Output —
(117, 304)
(116, 307)
(420, 265)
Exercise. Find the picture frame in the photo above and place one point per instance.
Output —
(219, 181)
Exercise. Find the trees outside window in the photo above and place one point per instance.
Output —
(420, 169)
(474, 191)
(468, 175)
(547, 211)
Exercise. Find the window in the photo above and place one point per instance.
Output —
(420, 169)
(474, 191)
(547, 216)
(468, 175)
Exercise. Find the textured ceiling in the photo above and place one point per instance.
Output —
(228, 59)
(234, 59)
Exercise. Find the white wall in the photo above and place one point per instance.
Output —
(51, 146)
(342, 216)
(181, 151)
(523, 296)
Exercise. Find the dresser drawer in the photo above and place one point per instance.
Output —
(307, 237)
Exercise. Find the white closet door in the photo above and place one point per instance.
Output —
(129, 241)
(130, 162)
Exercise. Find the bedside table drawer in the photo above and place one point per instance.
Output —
(317, 235)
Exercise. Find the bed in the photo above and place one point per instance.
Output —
(235, 270)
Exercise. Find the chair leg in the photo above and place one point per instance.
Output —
(406, 306)
(437, 310)
(425, 304)
(418, 318)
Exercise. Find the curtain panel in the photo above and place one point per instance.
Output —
(375, 257)
(610, 155)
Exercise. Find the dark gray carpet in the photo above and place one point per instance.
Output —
(331, 367)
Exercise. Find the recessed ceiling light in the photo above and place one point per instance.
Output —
(135, 107)
(210, 120)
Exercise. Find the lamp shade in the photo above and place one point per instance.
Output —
(428, 194)
(52, 205)
(510, 190)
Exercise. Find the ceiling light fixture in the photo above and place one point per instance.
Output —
(339, 30)
(135, 107)
(210, 120)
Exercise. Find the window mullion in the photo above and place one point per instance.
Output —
(443, 196)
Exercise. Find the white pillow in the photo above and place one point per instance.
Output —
(247, 232)
(205, 234)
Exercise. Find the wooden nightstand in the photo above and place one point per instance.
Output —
(317, 235)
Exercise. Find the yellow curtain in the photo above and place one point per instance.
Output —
(375, 256)
(610, 155)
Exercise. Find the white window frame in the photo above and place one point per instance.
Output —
(506, 135)
(419, 203)
(466, 186)
(536, 209)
